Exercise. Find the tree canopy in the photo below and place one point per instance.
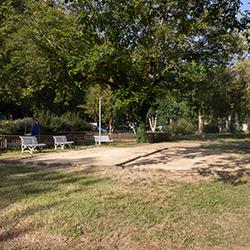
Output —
(51, 52)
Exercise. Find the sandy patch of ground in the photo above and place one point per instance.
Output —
(191, 159)
(101, 156)
(173, 157)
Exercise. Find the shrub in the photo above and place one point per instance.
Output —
(74, 122)
(18, 126)
(67, 122)
(141, 134)
(211, 128)
(181, 127)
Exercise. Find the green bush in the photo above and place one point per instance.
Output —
(141, 134)
(211, 128)
(181, 127)
(74, 122)
(18, 126)
(51, 123)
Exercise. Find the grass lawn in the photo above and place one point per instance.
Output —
(65, 210)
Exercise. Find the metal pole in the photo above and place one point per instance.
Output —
(100, 119)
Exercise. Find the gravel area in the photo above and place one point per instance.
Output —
(188, 157)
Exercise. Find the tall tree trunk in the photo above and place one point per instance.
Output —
(110, 125)
(200, 124)
(152, 123)
(239, 122)
(232, 123)
(228, 123)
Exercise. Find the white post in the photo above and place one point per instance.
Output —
(100, 119)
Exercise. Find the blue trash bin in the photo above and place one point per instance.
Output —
(35, 129)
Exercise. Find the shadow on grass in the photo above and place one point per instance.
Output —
(8, 235)
(235, 177)
(18, 182)
(26, 191)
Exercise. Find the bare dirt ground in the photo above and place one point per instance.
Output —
(181, 157)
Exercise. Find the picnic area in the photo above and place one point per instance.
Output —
(124, 125)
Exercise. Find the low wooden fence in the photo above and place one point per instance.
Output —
(79, 138)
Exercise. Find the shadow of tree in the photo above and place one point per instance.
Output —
(220, 160)
(233, 147)
(43, 189)
(8, 235)
(235, 177)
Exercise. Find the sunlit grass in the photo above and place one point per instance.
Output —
(99, 209)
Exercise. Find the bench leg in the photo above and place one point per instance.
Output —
(58, 145)
(23, 148)
(31, 149)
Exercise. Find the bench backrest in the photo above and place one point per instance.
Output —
(28, 140)
(103, 138)
(60, 138)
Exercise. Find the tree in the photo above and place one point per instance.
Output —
(240, 91)
(34, 69)
(140, 48)
(167, 110)
(91, 107)
(149, 46)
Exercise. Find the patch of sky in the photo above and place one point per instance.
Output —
(245, 5)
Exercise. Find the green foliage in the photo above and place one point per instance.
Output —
(225, 94)
(170, 109)
(74, 122)
(240, 89)
(19, 126)
(141, 133)
(91, 105)
(50, 123)
(50, 53)
(166, 110)
(67, 122)
(181, 127)
(36, 43)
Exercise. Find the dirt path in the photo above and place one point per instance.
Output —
(188, 157)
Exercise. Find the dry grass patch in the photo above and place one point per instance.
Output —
(75, 209)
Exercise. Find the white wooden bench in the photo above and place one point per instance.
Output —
(61, 141)
(30, 143)
(103, 138)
